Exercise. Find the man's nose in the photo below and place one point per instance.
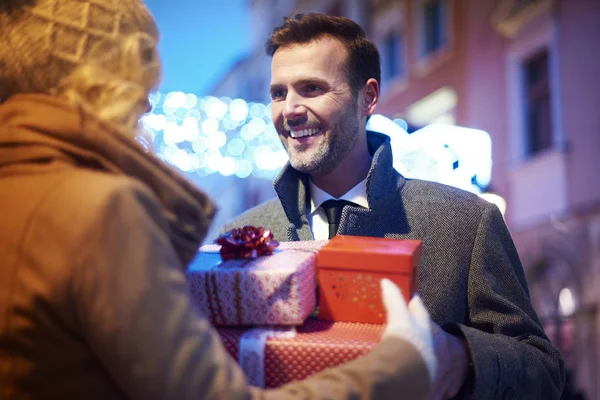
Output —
(294, 107)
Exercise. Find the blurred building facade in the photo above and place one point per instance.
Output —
(528, 73)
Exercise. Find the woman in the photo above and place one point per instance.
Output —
(96, 231)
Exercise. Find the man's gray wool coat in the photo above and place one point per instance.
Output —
(470, 276)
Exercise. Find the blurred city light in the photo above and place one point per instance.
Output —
(567, 303)
(208, 135)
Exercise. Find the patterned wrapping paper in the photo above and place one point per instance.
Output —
(350, 269)
(279, 289)
(299, 353)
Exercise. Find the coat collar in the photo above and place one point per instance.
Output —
(292, 186)
(382, 176)
(38, 128)
(383, 184)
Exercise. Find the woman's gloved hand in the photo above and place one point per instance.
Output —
(411, 323)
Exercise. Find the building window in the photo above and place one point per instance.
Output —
(538, 118)
(434, 16)
(393, 56)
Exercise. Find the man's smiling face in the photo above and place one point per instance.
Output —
(313, 108)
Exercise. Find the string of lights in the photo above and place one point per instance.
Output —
(208, 135)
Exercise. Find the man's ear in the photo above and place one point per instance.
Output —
(369, 97)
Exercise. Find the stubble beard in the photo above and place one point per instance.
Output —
(339, 142)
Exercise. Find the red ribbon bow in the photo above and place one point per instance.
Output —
(246, 242)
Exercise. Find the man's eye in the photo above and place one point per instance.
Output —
(312, 88)
(277, 94)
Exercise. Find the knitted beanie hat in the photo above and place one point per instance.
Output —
(43, 41)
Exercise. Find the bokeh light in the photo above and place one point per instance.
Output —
(209, 135)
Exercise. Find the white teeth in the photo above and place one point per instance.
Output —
(304, 132)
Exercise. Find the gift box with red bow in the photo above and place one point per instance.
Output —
(246, 280)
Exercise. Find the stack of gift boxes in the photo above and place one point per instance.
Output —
(286, 311)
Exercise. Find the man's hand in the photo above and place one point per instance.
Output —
(411, 323)
(453, 364)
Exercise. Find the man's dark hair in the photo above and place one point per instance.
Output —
(363, 57)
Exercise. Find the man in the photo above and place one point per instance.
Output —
(324, 86)
(95, 232)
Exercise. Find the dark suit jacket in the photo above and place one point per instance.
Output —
(470, 276)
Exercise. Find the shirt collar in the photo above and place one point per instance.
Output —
(357, 195)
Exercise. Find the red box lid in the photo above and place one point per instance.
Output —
(369, 253)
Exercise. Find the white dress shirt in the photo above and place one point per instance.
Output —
(316, 214)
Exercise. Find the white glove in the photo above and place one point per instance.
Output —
(452, 364)
(411, 323)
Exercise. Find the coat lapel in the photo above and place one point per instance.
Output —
(379, 222)
(291, 187)
(302, 233)
(386, 216)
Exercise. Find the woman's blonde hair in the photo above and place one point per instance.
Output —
(99, 54)
(115, 82)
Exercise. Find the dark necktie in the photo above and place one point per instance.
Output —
(333, 210)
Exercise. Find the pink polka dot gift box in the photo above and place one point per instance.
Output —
(274, 356)
(270, 289)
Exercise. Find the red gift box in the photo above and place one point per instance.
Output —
(350, 269)
(273, 357)
(277, 289)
